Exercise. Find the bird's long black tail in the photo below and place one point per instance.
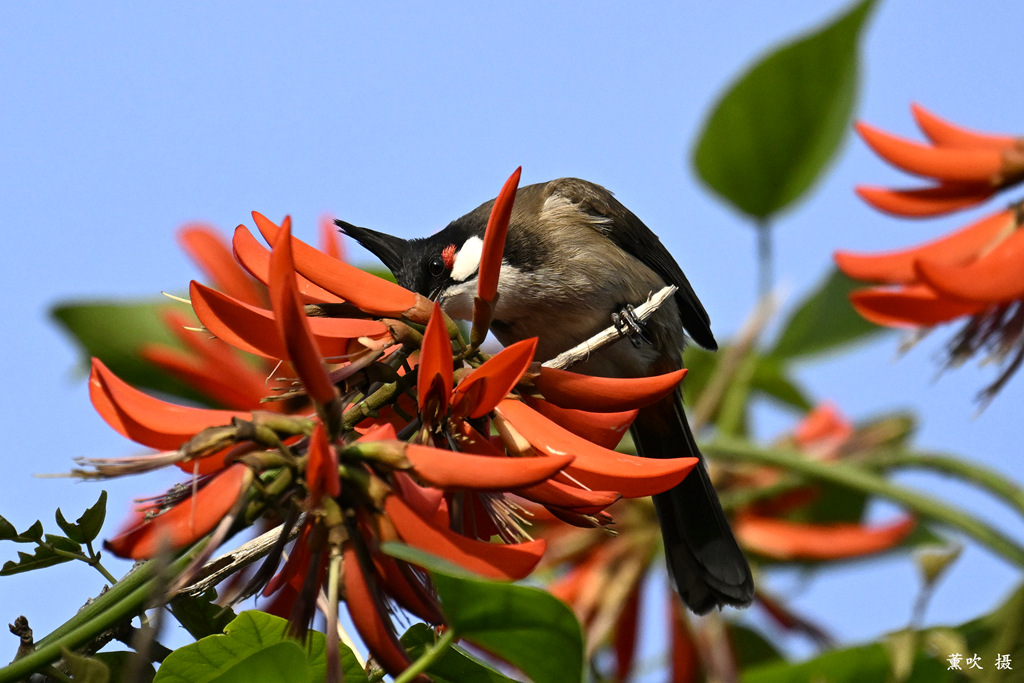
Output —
(705, 562)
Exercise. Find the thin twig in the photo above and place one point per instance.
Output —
(219, 568)
(583, 350)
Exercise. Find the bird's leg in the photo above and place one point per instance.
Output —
(630, 326)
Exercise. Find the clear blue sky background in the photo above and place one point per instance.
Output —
(120, 121)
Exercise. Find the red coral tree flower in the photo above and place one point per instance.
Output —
(976, 273)
(387, 436)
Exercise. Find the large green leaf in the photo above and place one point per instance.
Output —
(527, 627)
(770, 136)
(771, 378)
(255, 647)
(824, 321)
(115, 332)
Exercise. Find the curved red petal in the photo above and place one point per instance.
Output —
(367, 609)
(944, 163)
(322, 466)
(686, 658)
(596, 467)
(626, 631)
(604, 394)
(927, 201)
(292, 323)
(493, 560)
(494, 238)
(428, 502)
(147, 420)
(401, 582)
(294, 570)
(434, 381)
(913, 306)
(604, 429)
(255, 258)
(235, 388)
(961, 246)
(785, 540)
(946, 134)
(254, 330)
(379, 432)
(218, 360)
(330, 238)
(570, 497)
(245, 327)
(455, 470)
(823, 423)
(368, 292)
(210, 250)
(496, 378)
(187, 521)
(997, 277)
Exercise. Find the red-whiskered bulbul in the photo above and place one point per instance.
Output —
(575, 259)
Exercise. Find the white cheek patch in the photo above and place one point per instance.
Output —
(467, 261)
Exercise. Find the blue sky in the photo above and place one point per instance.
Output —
(120, 121)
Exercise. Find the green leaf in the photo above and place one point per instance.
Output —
(91, 521)
(7, 530)
(770, 136)
(769, 378)
(72, 530)
(455, 665)
(137, 324)
(32, 534)
(527, 627)
(85, 669)
(255, 647)
(199, 615)
(824, 321)
(750, 647)
(122, 663)
(44, 556)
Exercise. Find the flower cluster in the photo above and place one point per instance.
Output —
(224, 375)
(384, 426)
(603, 579)
(973, 273)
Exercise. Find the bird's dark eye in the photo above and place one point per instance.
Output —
(436, 266)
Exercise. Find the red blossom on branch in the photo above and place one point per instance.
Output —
(386, 434)
(974, 273)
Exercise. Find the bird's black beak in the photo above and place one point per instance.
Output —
(393, 251)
